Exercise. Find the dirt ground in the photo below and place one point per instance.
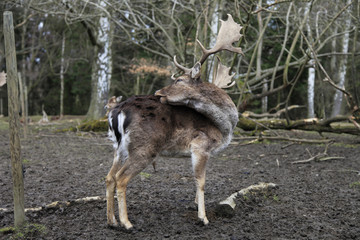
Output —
(315, 200)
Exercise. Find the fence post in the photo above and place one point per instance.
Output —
(13, 108)
(22, 100)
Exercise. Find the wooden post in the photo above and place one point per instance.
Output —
(13, 108)
(22, 100)
(1, 107)
(26, 104)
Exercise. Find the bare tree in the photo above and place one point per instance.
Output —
(276, 57)
(62, 71)
(338, 97)
(102, 65)
(311, 72)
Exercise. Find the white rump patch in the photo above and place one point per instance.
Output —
(122, 150)
(111, 133)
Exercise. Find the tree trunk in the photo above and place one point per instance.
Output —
(171, 32)
(62, 67)
(311, 92)
(311, 73)
(264, 100)
(102, 68)
(214, 26)
(354, 70)
(338, 97)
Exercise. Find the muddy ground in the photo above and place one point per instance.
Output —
(316, 200)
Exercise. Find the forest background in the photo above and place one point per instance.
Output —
(73, 55)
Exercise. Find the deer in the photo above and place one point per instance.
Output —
(188, 116)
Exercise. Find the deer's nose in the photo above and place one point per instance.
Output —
(158, 93)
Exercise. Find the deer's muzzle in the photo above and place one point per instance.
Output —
(163, 98)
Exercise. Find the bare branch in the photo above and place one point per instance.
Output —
(270, 115)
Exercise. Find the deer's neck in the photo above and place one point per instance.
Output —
(224, 118)
(215, 104)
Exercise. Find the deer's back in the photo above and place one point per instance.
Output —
(157, 127)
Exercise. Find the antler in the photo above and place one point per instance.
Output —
(182, 68)
(228, 34)
(222, 78)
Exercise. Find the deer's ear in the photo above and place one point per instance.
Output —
(196, 71)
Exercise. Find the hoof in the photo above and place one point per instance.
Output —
(112, 223)
(127, 225)
(204, 221)
(112, 226)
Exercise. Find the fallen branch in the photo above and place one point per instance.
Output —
(356, 124)
(279, 138)
(312, 124)
(227, 206)
(58, 204)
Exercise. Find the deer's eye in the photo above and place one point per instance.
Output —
(178, 80)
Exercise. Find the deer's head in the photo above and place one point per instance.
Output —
(182, 87)
(112, 102)
(186, 87)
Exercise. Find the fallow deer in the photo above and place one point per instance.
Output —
(189, 115)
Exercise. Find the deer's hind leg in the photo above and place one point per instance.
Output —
(199, 157)
(110, 190)
(133, 166)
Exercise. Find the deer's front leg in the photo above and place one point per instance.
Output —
(199, 158)
(110, 191)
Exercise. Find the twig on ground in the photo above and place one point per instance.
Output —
(309, 152)
(343, 170)
(319, 157)
(246, 143)
(314, 158)
(288, 145)
(330, 158)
